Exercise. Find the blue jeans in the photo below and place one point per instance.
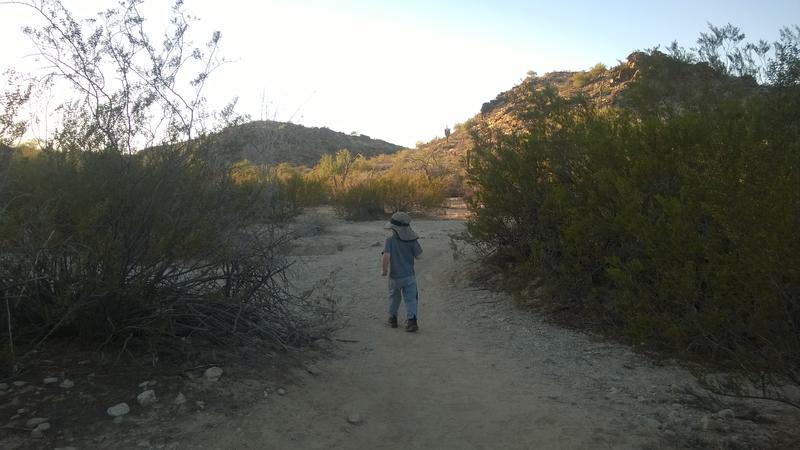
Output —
(408, 287)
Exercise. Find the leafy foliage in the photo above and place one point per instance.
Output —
(135, 249)
(675, 227)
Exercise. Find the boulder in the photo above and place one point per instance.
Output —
(118, 410)
(213, 373)
(147, 397)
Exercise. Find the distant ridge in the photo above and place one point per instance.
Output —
(270, 142)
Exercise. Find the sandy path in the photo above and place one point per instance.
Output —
(477, 375)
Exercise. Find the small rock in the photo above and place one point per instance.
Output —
(16, 417)
(179, 399)
(354, 419)
(4, 386)
(213, 373)
(118, 410)
(67, 384)
(22, 411)
(50, 380)
(312, 369)
(281, 391)
(144, 384)
(200, 404)
(147, 397)
(35, 422)
(44, 426)
(19, 384)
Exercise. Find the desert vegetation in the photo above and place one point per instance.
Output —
(672, 222)
(141, 252)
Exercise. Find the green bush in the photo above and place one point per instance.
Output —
(390, 192)
(581, 79)
(678, 230)
(109, 247)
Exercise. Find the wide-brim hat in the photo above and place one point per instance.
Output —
(401, 223)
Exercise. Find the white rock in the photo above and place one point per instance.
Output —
(281, 391)
(180, 399)
(147, 397)
(144, 384)
(354, 419)
(19, 383)
(50, 380)
(35, 422)
(312, 369)
(118, 410)
(213, 373)
(43, 426)
(22, 411)
(67, 384)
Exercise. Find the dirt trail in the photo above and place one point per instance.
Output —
(478, 375)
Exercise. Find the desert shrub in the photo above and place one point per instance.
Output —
(109, 248)
(129, 247)
(301, 189)
(363, 201)
(374, 196)
(676, 230)
(581, 79)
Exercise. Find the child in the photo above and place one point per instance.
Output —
(399, 252)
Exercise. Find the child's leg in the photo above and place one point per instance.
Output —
(394, 297)
(411, 296)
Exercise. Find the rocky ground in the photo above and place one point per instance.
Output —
(480, 373)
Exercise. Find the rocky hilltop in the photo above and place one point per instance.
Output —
(643, 81)
(270, 142)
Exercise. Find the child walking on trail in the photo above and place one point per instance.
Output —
(399, 252)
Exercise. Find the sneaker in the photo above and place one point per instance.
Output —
(411, 325)
(392, 322)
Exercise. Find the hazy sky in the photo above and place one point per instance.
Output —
(403, 70)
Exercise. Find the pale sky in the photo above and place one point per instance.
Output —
(403, 70)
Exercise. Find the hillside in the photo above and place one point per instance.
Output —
(269, 142)
(644, 80)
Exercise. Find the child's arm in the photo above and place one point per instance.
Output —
(385, 264)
